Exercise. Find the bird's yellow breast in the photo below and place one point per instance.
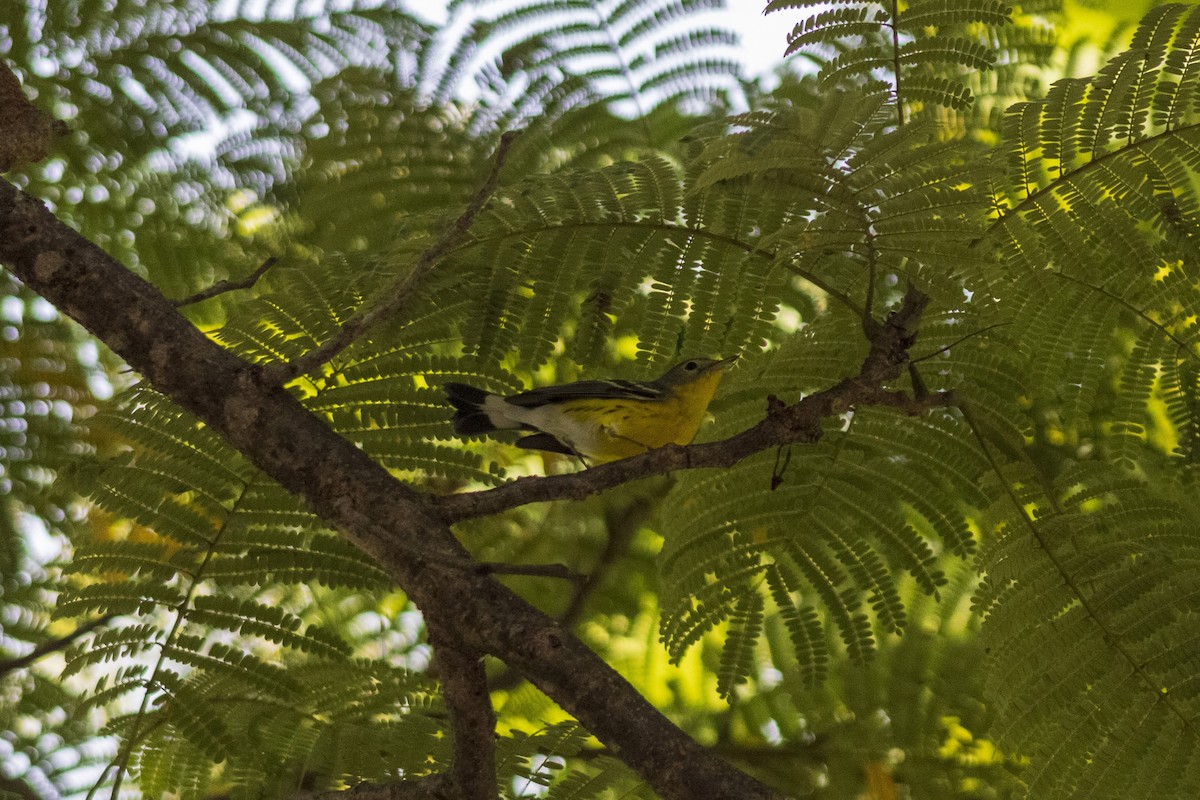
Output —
(607, 430)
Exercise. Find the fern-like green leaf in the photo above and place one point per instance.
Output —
(939, 13)
(1087, 569)
(738, 656)
(112, 645)
(1113, 149)
(909, 44)
(272, 624)
(836, 22)
(833, 534)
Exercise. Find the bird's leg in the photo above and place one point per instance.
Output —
(612, 434)
(582, 459)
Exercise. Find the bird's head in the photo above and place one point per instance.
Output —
(693, 369)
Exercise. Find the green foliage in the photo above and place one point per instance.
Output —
(992, 591)
(1088, 566)
(1110, 290)
(632, 249)
(45, 389)
(825, 530)
(325, 721)
(912, 45)
(645, 53)
(387, 86)
(916, 697)
(204, 520)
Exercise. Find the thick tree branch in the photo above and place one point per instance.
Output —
(26, 132)
(472, 718)
(405, 288)
(391, 522)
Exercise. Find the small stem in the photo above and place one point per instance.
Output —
(221, 287)
(53, 646)
(405, 288)
(532, 570)
(896, 60)
(957, 342)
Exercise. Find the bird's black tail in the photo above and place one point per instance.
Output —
(469, 416)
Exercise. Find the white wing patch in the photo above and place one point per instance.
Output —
(502, 414)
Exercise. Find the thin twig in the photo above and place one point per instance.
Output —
(957, 342)
(53, 646)
(560, 571)
(221, 287)
(895, 26)
(405, 288)
(620, 525)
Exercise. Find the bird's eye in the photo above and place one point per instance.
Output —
(690, 366)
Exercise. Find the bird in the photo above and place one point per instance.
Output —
(597, 421)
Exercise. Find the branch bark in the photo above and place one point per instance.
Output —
(27, 133)
(405, 531)
(472, 718)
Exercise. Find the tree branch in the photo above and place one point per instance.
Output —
(391, 522)
(26, 132)
(472, 718)
(52, 646)
(405, 288)
(221, 287)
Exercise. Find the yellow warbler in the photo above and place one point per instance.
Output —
(599, 421)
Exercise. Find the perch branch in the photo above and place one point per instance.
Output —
(784, 424)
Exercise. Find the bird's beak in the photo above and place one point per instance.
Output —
(724, 362)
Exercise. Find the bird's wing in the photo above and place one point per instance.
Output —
(586, 390)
